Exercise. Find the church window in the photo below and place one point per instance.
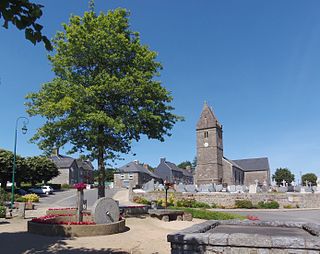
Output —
(206, 134)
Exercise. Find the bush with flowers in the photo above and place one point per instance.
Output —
(29, 198)
(80, 186)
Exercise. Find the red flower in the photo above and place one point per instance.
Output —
(252, 217)
(80, 186)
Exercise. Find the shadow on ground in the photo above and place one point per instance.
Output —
(23, 242)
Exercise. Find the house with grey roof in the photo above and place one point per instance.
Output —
(214, 167)
(71, 170)
(169, 172)
(134, 174)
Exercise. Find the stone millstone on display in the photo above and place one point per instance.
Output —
(105, 211)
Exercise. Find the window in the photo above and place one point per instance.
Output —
(122, 176)
(206, 134)
(130, 176)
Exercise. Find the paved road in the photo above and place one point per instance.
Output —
(298, 216)
(68, 198)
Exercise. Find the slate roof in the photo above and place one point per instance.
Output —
(253, 164)
(207, 119)
(233, 163)
(133, 167)
(86, 165)
(174, 167)
(62, 161)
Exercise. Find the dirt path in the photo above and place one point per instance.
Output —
(144, 235)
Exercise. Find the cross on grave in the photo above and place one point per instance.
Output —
(306, 182)
(283, 183)
(256, 181)
(293, 183)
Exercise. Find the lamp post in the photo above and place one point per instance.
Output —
(24, 131)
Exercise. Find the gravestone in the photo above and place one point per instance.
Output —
(302, 189)
(264, 188)
(239, 189)
(297, 188)
(180, 187)
(211, 188)
(105, 211)
(252, 188)
(219, 188)
(232, 188)
(148, 186)
(308, 189)
(282, 189)
(190, 188)
(160, 187)
(291, 188)
(315, 189)
(204, 188)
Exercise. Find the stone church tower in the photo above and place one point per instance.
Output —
(209, 148)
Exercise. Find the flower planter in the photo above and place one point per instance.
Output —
(68, 226)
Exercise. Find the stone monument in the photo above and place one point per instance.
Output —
(105, 211)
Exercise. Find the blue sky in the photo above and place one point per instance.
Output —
(255, 62)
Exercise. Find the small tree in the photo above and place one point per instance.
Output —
(283, 174)
(310, 177)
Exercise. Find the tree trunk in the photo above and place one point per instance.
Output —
(101, 168)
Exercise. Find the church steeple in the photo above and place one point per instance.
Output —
(207, 119)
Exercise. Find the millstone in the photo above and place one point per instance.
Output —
(105, 211)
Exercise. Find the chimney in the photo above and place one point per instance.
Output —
(136, 162)
(55, 152)
(162, 160)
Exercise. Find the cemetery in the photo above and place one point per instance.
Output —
(287, 195)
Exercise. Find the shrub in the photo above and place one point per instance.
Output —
(21, 199)
(244, 203)
(210, 215)
(213, 205)
(191, 203)
(141, 200)
(65, 186)
(30, 198)
(268, 204)
(2, 211)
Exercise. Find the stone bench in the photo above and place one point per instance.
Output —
(170, 215)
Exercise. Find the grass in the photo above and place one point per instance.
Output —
(210, 215)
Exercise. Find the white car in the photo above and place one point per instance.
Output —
(42, 190)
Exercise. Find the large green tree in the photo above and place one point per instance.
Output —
(40, 169)
(310, 177)
(283, 174)
(24, 15)
(105, 94)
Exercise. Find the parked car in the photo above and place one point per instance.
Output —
(42, 190)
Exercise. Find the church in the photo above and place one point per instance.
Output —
(213, 167)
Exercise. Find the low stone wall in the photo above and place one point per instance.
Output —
(205, 238)
(227, 200)
(76, 230)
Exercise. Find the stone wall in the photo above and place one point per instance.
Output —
(62, 178)
(227, 200)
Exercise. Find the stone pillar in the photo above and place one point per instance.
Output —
(80, 205)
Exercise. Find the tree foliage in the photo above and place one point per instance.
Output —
(104, 94)
(31, 169)
(310, 177)
(40, 169)
(24, 15)
(283, 174)
(185, 164)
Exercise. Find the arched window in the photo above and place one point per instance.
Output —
(206, 134)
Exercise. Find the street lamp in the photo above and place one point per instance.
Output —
(24, 131)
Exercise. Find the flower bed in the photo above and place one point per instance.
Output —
(67, 225)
